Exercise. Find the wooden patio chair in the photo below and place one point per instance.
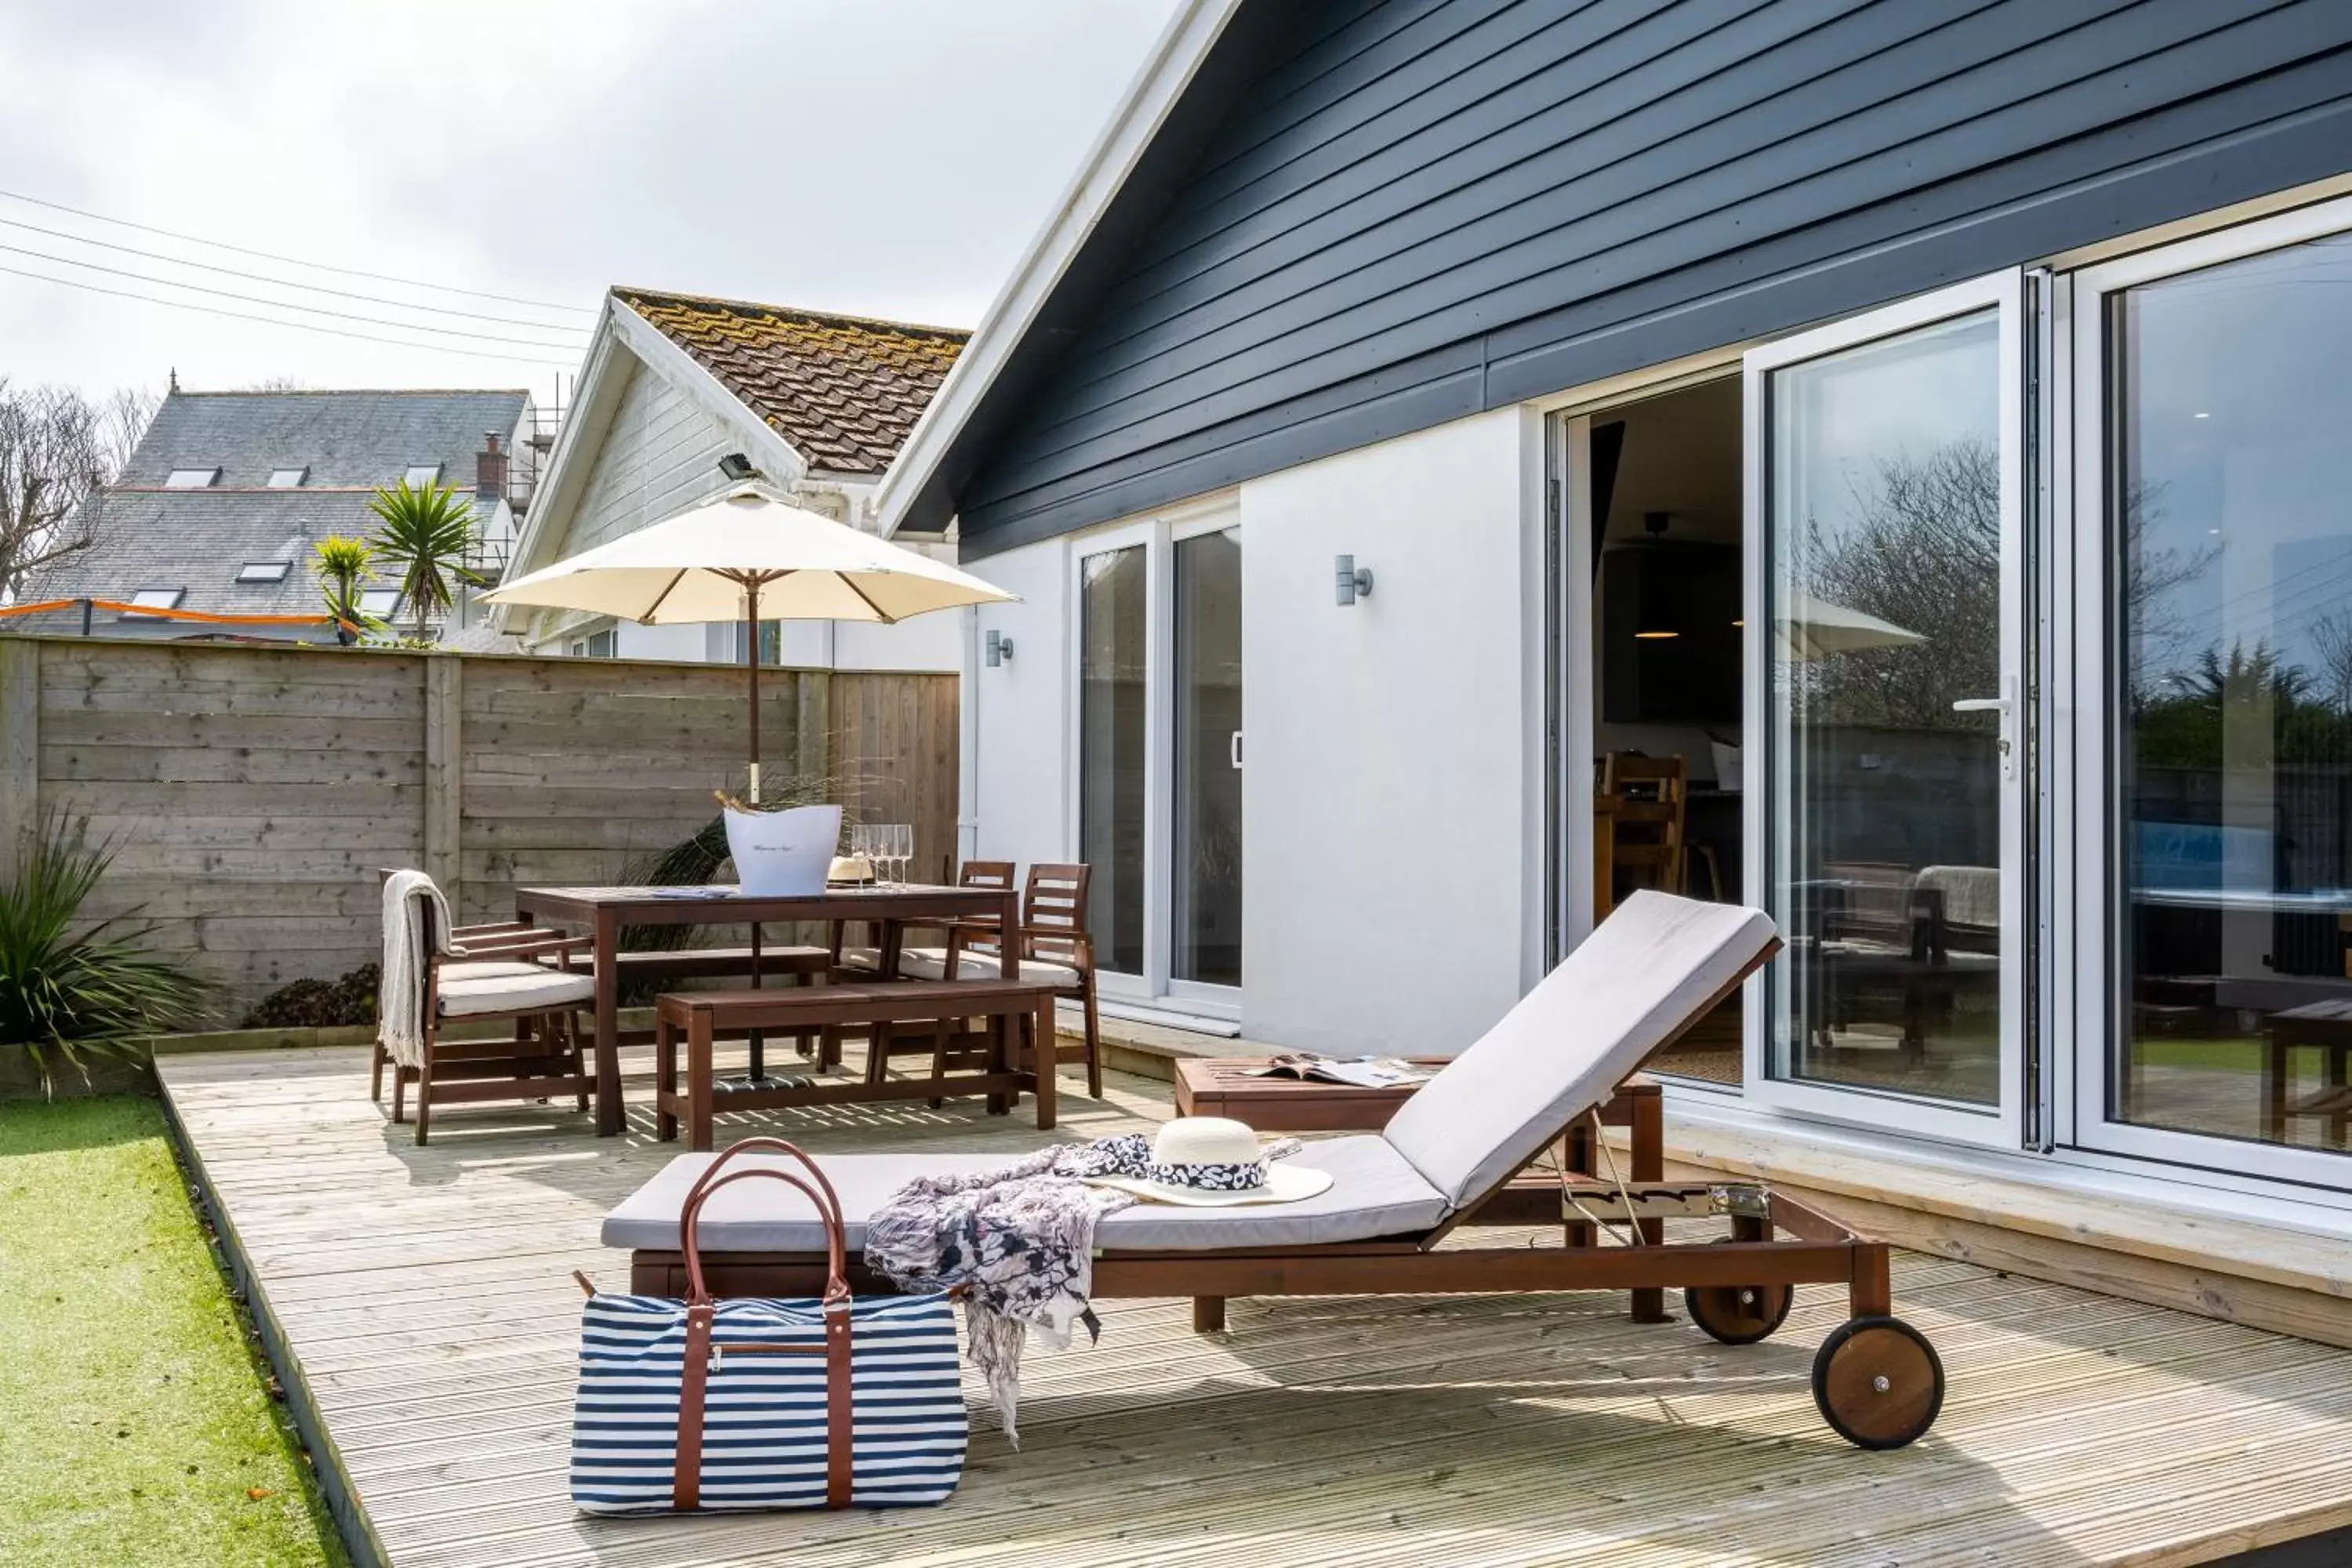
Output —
(500, 972)
(1448, 1160)
(1053, 947)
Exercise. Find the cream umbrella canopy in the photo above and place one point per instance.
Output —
(1811, 627)
(747, 555)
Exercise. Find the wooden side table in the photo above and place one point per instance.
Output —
(1224, 1086)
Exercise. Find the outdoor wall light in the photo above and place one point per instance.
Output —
(1354, 581)
(1000, 649)
(738, 468)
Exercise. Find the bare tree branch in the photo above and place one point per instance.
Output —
(58, 450)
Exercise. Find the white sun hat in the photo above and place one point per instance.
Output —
(1210, 1162)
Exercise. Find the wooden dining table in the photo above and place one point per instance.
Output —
(600, 912)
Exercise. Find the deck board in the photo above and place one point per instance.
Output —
(426, 1301)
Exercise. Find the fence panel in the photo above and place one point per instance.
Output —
(255, 791)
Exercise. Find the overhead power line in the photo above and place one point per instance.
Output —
(278, 322)
(292, 260)
(283, 282)
(281, 304)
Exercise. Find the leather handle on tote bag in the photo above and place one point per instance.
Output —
(701, 1310)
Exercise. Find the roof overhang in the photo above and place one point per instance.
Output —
(916, 493)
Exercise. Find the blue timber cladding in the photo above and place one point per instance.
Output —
(1370, 216)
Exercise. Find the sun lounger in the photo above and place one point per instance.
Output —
(1447, 1160)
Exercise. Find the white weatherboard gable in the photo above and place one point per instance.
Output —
(648, 428)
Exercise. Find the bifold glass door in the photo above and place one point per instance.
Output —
(2212, 506)
(1159, 753)
(1884, 633)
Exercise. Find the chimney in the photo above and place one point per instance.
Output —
(490, 467)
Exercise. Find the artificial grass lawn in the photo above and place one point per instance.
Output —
(135, 1426)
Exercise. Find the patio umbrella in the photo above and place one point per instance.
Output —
(748, 555)
(1811, 627)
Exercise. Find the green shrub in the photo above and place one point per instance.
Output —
(68, 983)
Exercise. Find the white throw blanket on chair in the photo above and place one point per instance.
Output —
(399, 994)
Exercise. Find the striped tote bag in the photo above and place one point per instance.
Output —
(765, 1404)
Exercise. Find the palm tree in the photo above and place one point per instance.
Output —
(342, 564)
(425, 533)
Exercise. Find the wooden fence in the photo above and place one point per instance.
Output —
(255, 791)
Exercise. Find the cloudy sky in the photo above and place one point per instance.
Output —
(884, 157)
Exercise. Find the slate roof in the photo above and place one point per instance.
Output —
(844, 389)
(198, 540)
(364, 438)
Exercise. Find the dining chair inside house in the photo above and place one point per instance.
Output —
(1648, 799)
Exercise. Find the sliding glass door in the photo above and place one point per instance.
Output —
(2213, 432)
(1114, 730)
(1206, 856)
(1160, 750)
(1885, 646)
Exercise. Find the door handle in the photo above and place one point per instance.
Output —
(1233, 750)
(2006, 705)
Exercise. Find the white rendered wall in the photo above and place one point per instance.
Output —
(1386, 886)
(1017, 786)
(1392, 795)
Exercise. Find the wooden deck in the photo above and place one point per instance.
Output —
(425, 1314)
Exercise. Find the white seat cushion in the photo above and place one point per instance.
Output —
(931, 963)
(1373, 1193)
(1641, 976)
(491, 969)
(536, 989)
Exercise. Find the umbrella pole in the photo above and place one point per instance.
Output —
(751, 639)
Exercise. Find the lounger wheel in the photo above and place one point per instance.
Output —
(1878, 1382)
(1739, 1314)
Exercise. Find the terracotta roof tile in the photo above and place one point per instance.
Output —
(844, 389)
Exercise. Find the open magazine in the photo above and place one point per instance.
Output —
(1363, 1072)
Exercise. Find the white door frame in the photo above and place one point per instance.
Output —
(2086, 990)
(2003, 1123)
(1157, 536)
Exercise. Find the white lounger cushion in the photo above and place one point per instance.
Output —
(1645, 973)
(1373, 1192)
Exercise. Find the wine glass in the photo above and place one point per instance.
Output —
(861, 846)
(902, 840)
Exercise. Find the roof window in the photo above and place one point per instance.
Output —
(422, 476)
(154, 599)
(264, 571)
(191, 478)
(288, 479)
(379, 602)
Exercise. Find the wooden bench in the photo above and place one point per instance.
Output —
(1013, 1016)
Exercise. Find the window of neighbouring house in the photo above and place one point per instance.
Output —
(422, 476)
(597, 645)
(264, 571)
(288, 479)
(381, 602)
(191, 478)
(154, 599)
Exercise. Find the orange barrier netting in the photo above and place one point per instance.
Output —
(150, 612)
